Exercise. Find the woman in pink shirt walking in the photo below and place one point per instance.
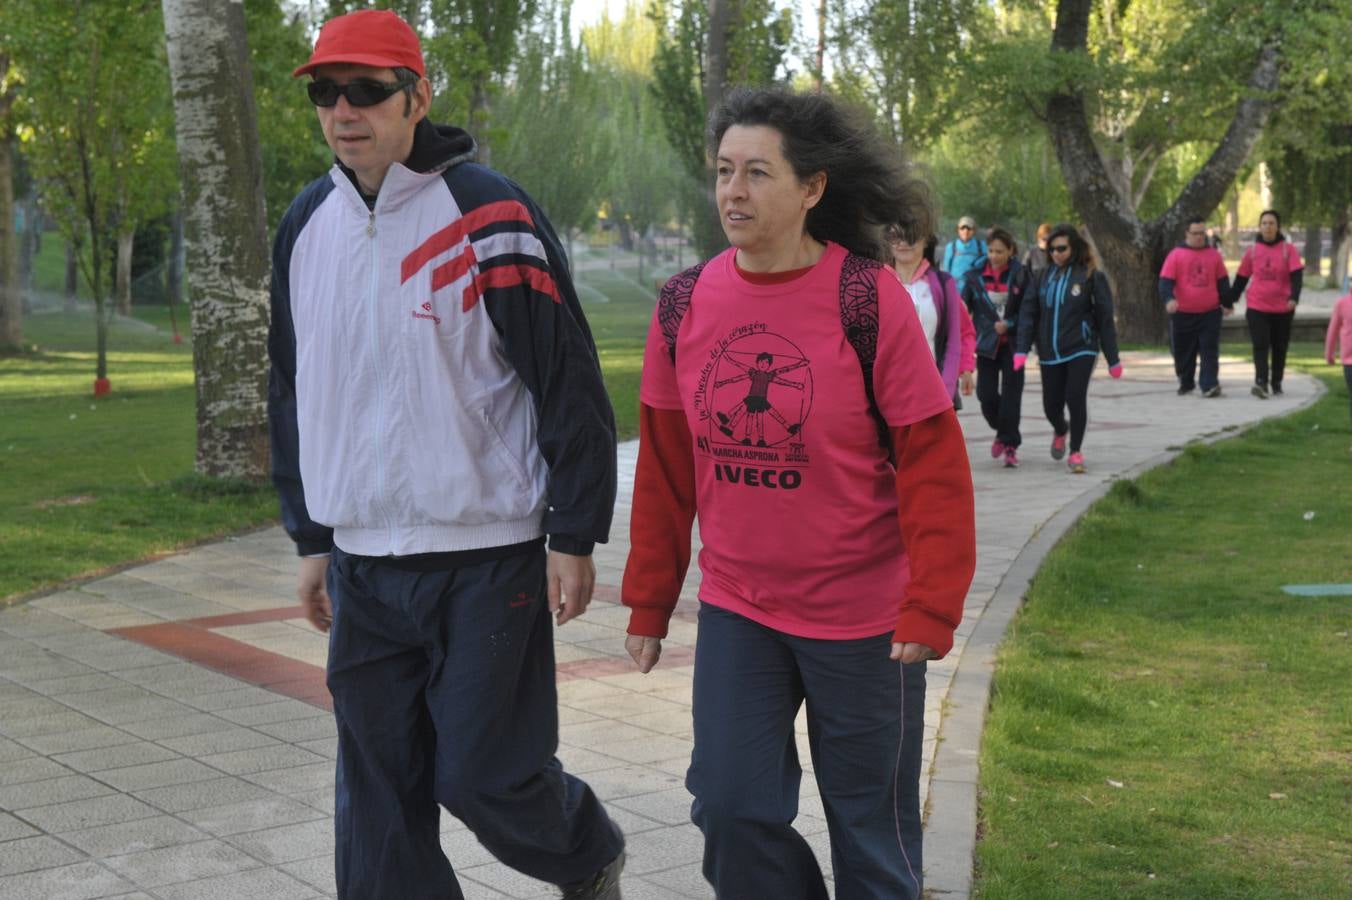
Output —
(1339, 339)
(1277, 272)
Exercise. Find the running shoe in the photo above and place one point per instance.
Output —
(1058, 446)
(604, 885)
(997, 449)
(1260, 391)
(1184, 391)
(1213, 391)
(1076, 463)
(1011, 458)
(1276, 388)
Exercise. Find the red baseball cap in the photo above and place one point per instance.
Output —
(368, 37)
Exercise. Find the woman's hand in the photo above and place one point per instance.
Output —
(912, 652)
(1001, 327)
(965, 382)
(645, 651)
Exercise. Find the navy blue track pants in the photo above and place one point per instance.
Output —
(443, 690)
(866, 718)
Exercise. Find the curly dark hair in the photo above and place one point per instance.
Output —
(996, 233)
(1081, 254)
(868, 182)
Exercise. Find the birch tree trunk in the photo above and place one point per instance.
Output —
(1133, 250)
(72, 284)
(225, 231)
(11, 298)
(126, 242)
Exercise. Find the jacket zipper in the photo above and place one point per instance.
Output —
(373, 321)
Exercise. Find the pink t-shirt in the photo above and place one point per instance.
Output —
(1270, 267)
(796, 499)
(1195, 272)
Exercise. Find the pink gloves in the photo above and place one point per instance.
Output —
(1019, 360)
(1115, 371)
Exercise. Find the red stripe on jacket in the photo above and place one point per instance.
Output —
(510, 276)
(448, 237)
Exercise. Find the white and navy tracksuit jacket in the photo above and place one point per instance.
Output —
(434, 384)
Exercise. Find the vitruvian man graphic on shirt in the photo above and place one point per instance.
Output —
(761, 391)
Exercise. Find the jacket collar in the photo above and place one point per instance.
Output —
(436, 148)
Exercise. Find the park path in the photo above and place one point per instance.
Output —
(165, 732)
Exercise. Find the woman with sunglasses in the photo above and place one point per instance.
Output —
(832, 565)
(993, 291)
(1068, 311)
(1278, 273)
(947, 327)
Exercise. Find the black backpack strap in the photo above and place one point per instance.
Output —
(859, 319)
(672, 304)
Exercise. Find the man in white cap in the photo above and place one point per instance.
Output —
(437, 412)
(961, 254)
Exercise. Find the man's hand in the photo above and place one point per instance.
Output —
(1171, 307)
(965, 382)
(312, 592)
(912, 653)
(1001, 327)
(571, 580)
(644, 650)
(1290, 306)
(1227, 311)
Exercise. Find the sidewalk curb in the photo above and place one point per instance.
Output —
(951, 827)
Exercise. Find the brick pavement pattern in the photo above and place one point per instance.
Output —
(165, 732)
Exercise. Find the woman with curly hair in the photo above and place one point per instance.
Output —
(789, 400)
(1068, 312)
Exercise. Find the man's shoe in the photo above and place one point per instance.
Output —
(1011, 458)
(1076, 463)
(604, 885)
(1058, 446)
(1276, 388)
(1259, 391)
(997, 449)
(1184, 390)
(1213, 391)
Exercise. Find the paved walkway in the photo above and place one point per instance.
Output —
(164, 732)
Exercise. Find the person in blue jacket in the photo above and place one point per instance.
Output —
(437, 413)
(1068, 312)
(961, 254)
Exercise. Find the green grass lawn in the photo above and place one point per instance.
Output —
(86, 485)
(1166, 722)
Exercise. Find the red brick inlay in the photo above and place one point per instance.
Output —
(196, 641)
(286, 676)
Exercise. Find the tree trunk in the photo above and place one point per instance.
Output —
(72, 276)
(173, 272)
(1314, 255)
(11, 296)
(126, 241)
(225, 230)
(722, 13)
(1231, 238)
(1341, 245)
(1132, 251)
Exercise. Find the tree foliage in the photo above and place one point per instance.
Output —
(701, 49)
(96, 122)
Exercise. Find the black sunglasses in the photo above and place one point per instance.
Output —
(362, 92)
(1059, 248)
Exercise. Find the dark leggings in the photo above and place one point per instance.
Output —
(1067, 385)
(1347, 376)
(1269, 331)
(1000, 407)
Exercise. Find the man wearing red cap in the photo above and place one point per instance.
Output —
(437, 413)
